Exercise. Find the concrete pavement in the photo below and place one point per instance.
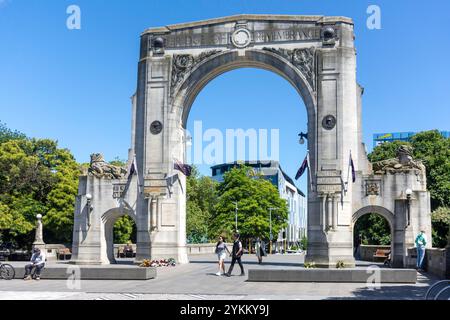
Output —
(197, 281)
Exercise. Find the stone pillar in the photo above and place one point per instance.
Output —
(335, 209)
(330, 207)
(154, 213)
(336, 135)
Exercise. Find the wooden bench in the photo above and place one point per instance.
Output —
(382, 254)
(64, 254)
(122, 254)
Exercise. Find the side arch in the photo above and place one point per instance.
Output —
(109, 218)
(382, 211)
(390, 218)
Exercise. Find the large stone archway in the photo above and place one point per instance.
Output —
(315, 54)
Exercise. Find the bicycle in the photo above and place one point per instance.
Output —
(7, 271)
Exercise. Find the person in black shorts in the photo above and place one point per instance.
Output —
(236, 255)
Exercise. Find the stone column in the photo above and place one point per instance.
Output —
(335, 209)
(330, 212)
(154, 213)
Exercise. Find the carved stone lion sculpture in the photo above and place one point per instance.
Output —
(404, 161)
(101, 169)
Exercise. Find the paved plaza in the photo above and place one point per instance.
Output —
(197, 281)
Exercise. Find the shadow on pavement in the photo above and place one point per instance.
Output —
(288, 264)
(394, 292)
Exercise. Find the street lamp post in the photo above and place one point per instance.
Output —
(270, 226)
(236, 213)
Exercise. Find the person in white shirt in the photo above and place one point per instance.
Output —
(38, 262)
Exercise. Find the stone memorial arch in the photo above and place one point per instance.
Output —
(316, 55)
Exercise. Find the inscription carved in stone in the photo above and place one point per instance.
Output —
(303, 59)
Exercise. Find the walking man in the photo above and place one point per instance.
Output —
(236, 255)
(421, 242)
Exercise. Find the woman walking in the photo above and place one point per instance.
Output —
(221, 251)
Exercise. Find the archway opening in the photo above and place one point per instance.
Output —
(372, 238)
(124, 238)
(120, 235)
(264, 106)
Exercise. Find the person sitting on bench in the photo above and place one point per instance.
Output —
(38, 262)
(128, 251)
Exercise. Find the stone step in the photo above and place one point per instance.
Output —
(93, 272)
(333, 275)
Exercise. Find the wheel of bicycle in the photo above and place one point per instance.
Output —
(436, 288)
(7, 272)
(444, 294)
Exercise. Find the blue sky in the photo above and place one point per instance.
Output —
(74, 85)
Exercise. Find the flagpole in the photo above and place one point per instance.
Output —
(348, 168)
(309, 171)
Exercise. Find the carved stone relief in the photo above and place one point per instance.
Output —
(303, 59)
(182, 64)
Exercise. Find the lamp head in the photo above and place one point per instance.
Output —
(39, 216)
(89, 197)
(408, 192)
(302, 140)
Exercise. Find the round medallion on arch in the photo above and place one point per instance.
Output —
(241, 38)
(156, 127)
(329, 122)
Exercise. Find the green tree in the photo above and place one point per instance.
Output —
(58, 221)
(386, 151)
(440, 218)
(124, 230)
(118, 162)
(201, 198)
(434, 150)
(36, 177)
(7, 134)
(254, 196)
(374, 229)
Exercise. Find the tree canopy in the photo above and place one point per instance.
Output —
(36, 177)
(254, 197)
(374, 229)
(201, 198)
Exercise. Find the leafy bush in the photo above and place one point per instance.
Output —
(310, 265)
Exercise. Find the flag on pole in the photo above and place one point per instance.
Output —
(184, 168)
(302, 168)
(171, 181)
(343, 191)
(353, 168)
(133, 167)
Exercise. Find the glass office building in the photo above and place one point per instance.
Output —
(379, 138)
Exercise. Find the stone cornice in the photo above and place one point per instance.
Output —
(251, 17)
